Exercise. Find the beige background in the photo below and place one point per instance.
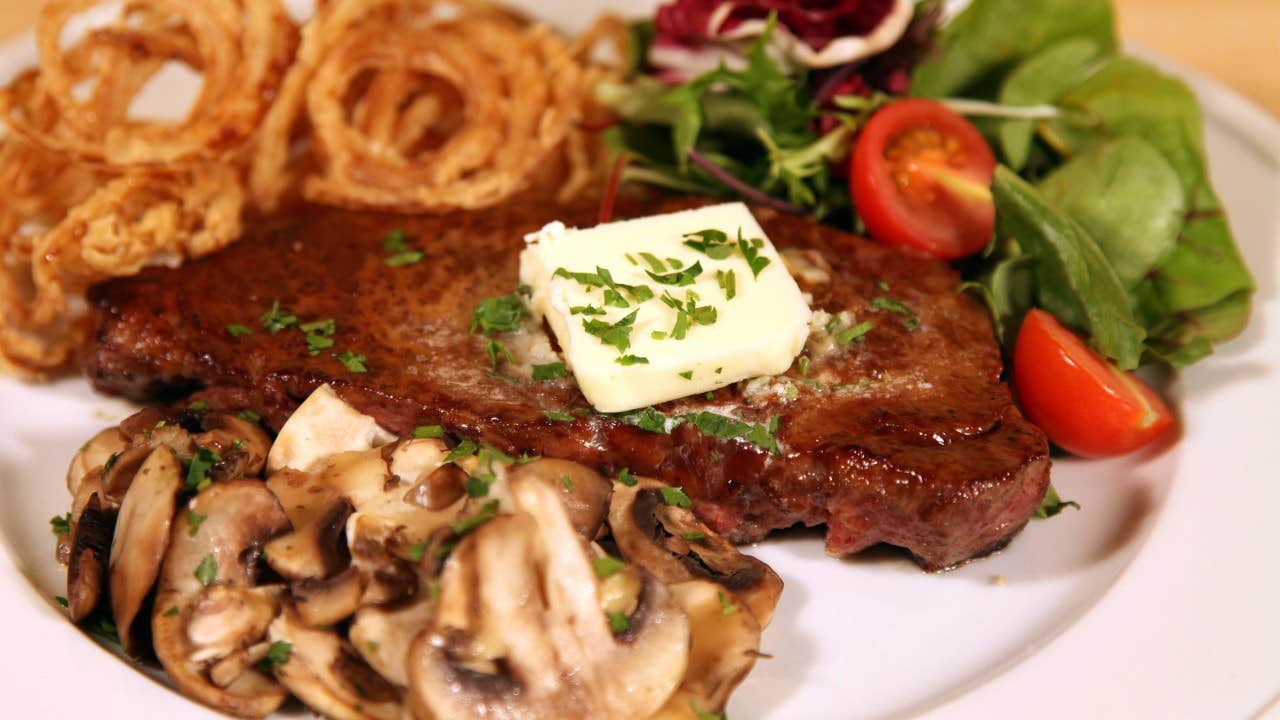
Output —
(1236, 41)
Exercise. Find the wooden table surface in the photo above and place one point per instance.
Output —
(1235, 41)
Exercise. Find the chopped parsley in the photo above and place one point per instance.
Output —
(526, 458)
(693, 536)
(417, 551)
(884, 286)
(198, 405)
(352, 361)
(680, 278)
(395, 241)
(607, 566)
(654, 262)
(249, 415)
(688, 312)
(276, 319)
(895, 306)
(619, 623)
(428, 431)
(498, 314)
(567, 482)
(728, 282)
(319, 335)
(558, 416)
(278, 654)
(62, 601)
(856, 332)
(627, 360)
(172, 612)
(236, 330)
(646, 419)
(207, 571)
(464, 449)
(586, 310)
(198, 469)
(401, 259)
(498, 353)
(60, 524)
(704, 714)
(725, 428)
(194, 521)
(751, 252)
(466, 525)
(675, 497)
(712, 243)
(626, 478)
(687, 374)
(617, 334)
(549, 371)
(727, 606)
(102, 626)
(804, 364)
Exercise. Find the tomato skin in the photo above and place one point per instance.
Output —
(1084, 404)
(920, 176)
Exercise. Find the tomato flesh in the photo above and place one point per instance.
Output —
(920, 178)
(1085, 405)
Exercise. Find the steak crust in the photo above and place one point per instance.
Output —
(908, 437)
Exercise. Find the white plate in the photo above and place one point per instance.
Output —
(1161, 587)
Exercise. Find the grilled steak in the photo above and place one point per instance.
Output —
(906, 437)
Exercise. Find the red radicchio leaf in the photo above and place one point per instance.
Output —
(815, 22)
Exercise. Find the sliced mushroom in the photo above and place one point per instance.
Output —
(316, 547)
(242, 445)
(382, 635)
(117, 477)
(95, 454)
(440, 489)
(520, 632)
(724, 647)
(326, 674)
(207, 606)
(142, 537)
(328, 601)
(323, 425)
(673, 544)
(90, 547)
(584, 491)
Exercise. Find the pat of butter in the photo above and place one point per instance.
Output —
(623, 346)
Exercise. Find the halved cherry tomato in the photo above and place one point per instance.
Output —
(921, 178)
(1085, 405)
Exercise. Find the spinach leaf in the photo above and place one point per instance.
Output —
(1128, 198)
(991, 36)
(1042, 79)
(1074, 281)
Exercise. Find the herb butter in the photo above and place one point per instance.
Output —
(667, 306)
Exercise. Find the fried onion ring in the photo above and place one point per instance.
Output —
(242, 48)
(409, 105)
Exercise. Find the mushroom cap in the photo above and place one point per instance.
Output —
(382, 635)
(519, 630)
(188, 664)
(584, 491)
(316, 547)
(326, 674)
(328, 601)
(652, 534)
(724, 647)
(239, 516)
(93, 455)
(243, 445)
(323, 425)
(90, 545)
(142, 537)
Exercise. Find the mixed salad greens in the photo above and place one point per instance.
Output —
(1104, 213)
